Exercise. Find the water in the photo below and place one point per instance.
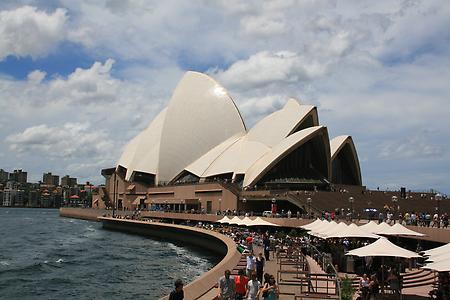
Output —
(43, 256)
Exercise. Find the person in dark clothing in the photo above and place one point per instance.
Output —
(177, 293)
(260, 262)
(266, 244)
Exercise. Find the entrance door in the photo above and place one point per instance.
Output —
(208, 207)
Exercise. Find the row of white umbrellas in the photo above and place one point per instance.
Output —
(246, 221)
(325, 229)
(438, 259)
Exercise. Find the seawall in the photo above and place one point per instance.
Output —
(220, 245)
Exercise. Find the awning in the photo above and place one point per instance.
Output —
(383, 247)
(399, 229)
(352, 231)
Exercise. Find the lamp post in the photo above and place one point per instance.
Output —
(274, 207)
(309, 201)
(220, 204)
(351, 200)
(438, 198)
(394, 200)
(244, 205)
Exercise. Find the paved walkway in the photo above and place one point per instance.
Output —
(272, 267)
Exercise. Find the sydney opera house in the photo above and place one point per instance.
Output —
(198, 154)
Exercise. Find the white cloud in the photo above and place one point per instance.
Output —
(376, 69)
(71, 140)
(412, 147)
(27, 31)
(86, 85)
(262, 26)
(270, 68)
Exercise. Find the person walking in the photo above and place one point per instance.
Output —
(253, 288)
(260, 263)
(270, 289)
(251, 264)
(227, 287)
(241, 282)
(266, 244)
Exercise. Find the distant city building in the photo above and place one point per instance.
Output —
(18, 176)
(34, 198)
(68, 181)
(9, 196)
(3, 176)
(50, 179)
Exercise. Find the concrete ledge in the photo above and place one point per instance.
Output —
(219, 244)
(82, 213)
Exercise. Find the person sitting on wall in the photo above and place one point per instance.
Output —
(177, 293)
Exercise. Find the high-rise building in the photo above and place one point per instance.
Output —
(50, 179)
(3, 176)
(18, 176)
(68, 181)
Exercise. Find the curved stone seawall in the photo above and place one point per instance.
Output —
(219, 244)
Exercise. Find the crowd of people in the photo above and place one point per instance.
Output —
(248, 286)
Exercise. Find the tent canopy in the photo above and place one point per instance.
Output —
(353, 231)
(383, 247)
(371, 227)
(399, 229)
(312, 225)
(224, 220)
(438, 250)
(441, 266)
(261, 222)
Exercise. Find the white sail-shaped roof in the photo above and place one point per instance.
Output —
(238, 157)
(202, 132)
(278, 125)
(281, 150)
(129, 151)
(145, 158)
(337, 144)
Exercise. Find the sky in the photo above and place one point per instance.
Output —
(79, 79)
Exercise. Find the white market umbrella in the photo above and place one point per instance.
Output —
(319, 230)
(312, 225)
(383, 247)
(441, 266)
(261, 222)
(236, 221)
(382, 228)
(224, 220)
(245, 221)
(371, 227)
(354, 231)
(438, 250)
(333, 230)
(399, 229)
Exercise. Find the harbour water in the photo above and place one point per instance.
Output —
(44, 256)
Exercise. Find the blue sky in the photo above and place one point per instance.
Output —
(79, 79)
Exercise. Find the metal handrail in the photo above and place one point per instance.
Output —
(314, 251)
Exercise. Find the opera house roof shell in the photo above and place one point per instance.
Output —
(201, 136)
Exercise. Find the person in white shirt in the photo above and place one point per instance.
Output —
(253, 288)
(251, 264)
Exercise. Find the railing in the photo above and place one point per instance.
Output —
(326, 263)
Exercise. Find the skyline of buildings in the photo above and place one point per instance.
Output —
(51, 192)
